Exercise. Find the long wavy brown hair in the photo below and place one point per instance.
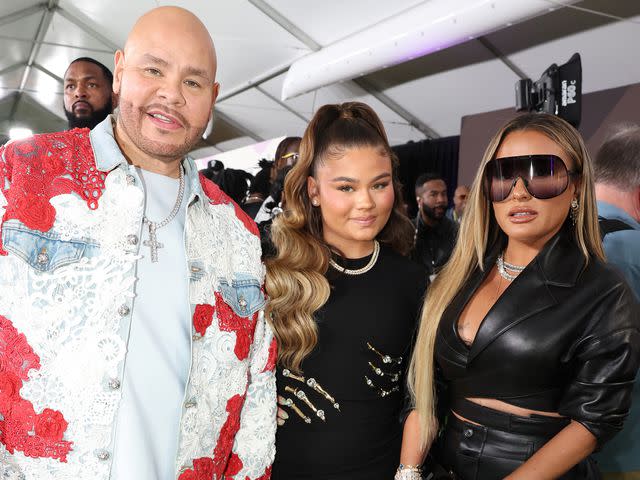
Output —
(296, 282)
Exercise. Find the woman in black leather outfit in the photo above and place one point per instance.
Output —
(531, 338)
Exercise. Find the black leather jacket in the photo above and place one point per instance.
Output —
(562, 338)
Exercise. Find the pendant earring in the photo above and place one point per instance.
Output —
(573, 213)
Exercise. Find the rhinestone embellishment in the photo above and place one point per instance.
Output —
(42, 257)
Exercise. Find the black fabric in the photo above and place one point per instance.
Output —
(610, 225)
(439, 155)
(434, 244)
(478, 452)
(361, 441)
(252, 208)
(538, 425)
(563, 337)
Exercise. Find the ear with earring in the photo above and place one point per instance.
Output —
(315, 202)
(575, 207)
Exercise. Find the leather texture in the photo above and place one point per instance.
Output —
(564, 337)
(473, 452)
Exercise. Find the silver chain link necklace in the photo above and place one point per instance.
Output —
(153, 243)
(359, 271)
(504, 268)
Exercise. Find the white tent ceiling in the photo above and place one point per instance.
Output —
(257, 41)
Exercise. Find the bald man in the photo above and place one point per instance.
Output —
(133, 343)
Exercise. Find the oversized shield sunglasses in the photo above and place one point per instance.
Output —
(544, 176)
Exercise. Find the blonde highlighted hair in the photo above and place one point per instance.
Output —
(479, 231)
(296, 282)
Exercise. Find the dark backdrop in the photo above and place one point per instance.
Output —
(439, 155)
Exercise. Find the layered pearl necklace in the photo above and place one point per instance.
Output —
(507, 270)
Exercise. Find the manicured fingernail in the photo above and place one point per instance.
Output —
(280, 422)
(284, 415)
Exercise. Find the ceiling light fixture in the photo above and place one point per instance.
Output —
(426, 28)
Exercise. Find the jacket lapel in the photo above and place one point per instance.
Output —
(557, 265)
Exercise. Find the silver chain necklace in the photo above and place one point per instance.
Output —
(359, 271)
(504, 266)
(153, 243)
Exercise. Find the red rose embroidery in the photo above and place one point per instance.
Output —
(227, 434)
(188, 475)
(19, 419)
(273, 356)
(234, 465)
(202, 317)
(202, 470)
(46, 166)
(51, 425)
(35, 213)
(223, 462)
(10, 385)
(266, 476)
(230, 321)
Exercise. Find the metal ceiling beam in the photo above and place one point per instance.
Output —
(241, 128)
(43, 26)
(12, 68)
(252, 83)
(484, 41)
(293, 29)
(391, 104)
(48, 72)
(83, 26)
(55, 44)
(285, 23)
(20, 14)
(282, 104)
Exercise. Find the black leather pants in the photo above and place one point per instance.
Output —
(500, 445)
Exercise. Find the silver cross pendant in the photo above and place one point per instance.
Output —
(153, 243)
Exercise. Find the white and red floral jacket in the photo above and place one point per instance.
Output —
(71, 219)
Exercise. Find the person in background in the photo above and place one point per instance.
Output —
(259, 188)
(275, 208)
(527, 336)
(213, 170)
(287, 154)
(459, 203)
(88, 97)
(234, 182)
(617, 176)
(435, 234)
(344, 300)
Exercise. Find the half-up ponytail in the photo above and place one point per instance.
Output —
(296, 282)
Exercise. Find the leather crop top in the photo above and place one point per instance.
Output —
(562, 338)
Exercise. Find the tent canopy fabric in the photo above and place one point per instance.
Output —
(258, 40)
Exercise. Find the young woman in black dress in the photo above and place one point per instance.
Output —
(534, 338)
(344, 302)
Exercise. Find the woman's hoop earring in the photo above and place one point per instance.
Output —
(575, 206)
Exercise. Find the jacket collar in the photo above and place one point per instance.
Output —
(108, 155)
(558, 265)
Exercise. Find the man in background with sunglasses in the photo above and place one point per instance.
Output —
(617, 175)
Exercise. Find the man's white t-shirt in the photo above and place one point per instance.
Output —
(159, 346)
